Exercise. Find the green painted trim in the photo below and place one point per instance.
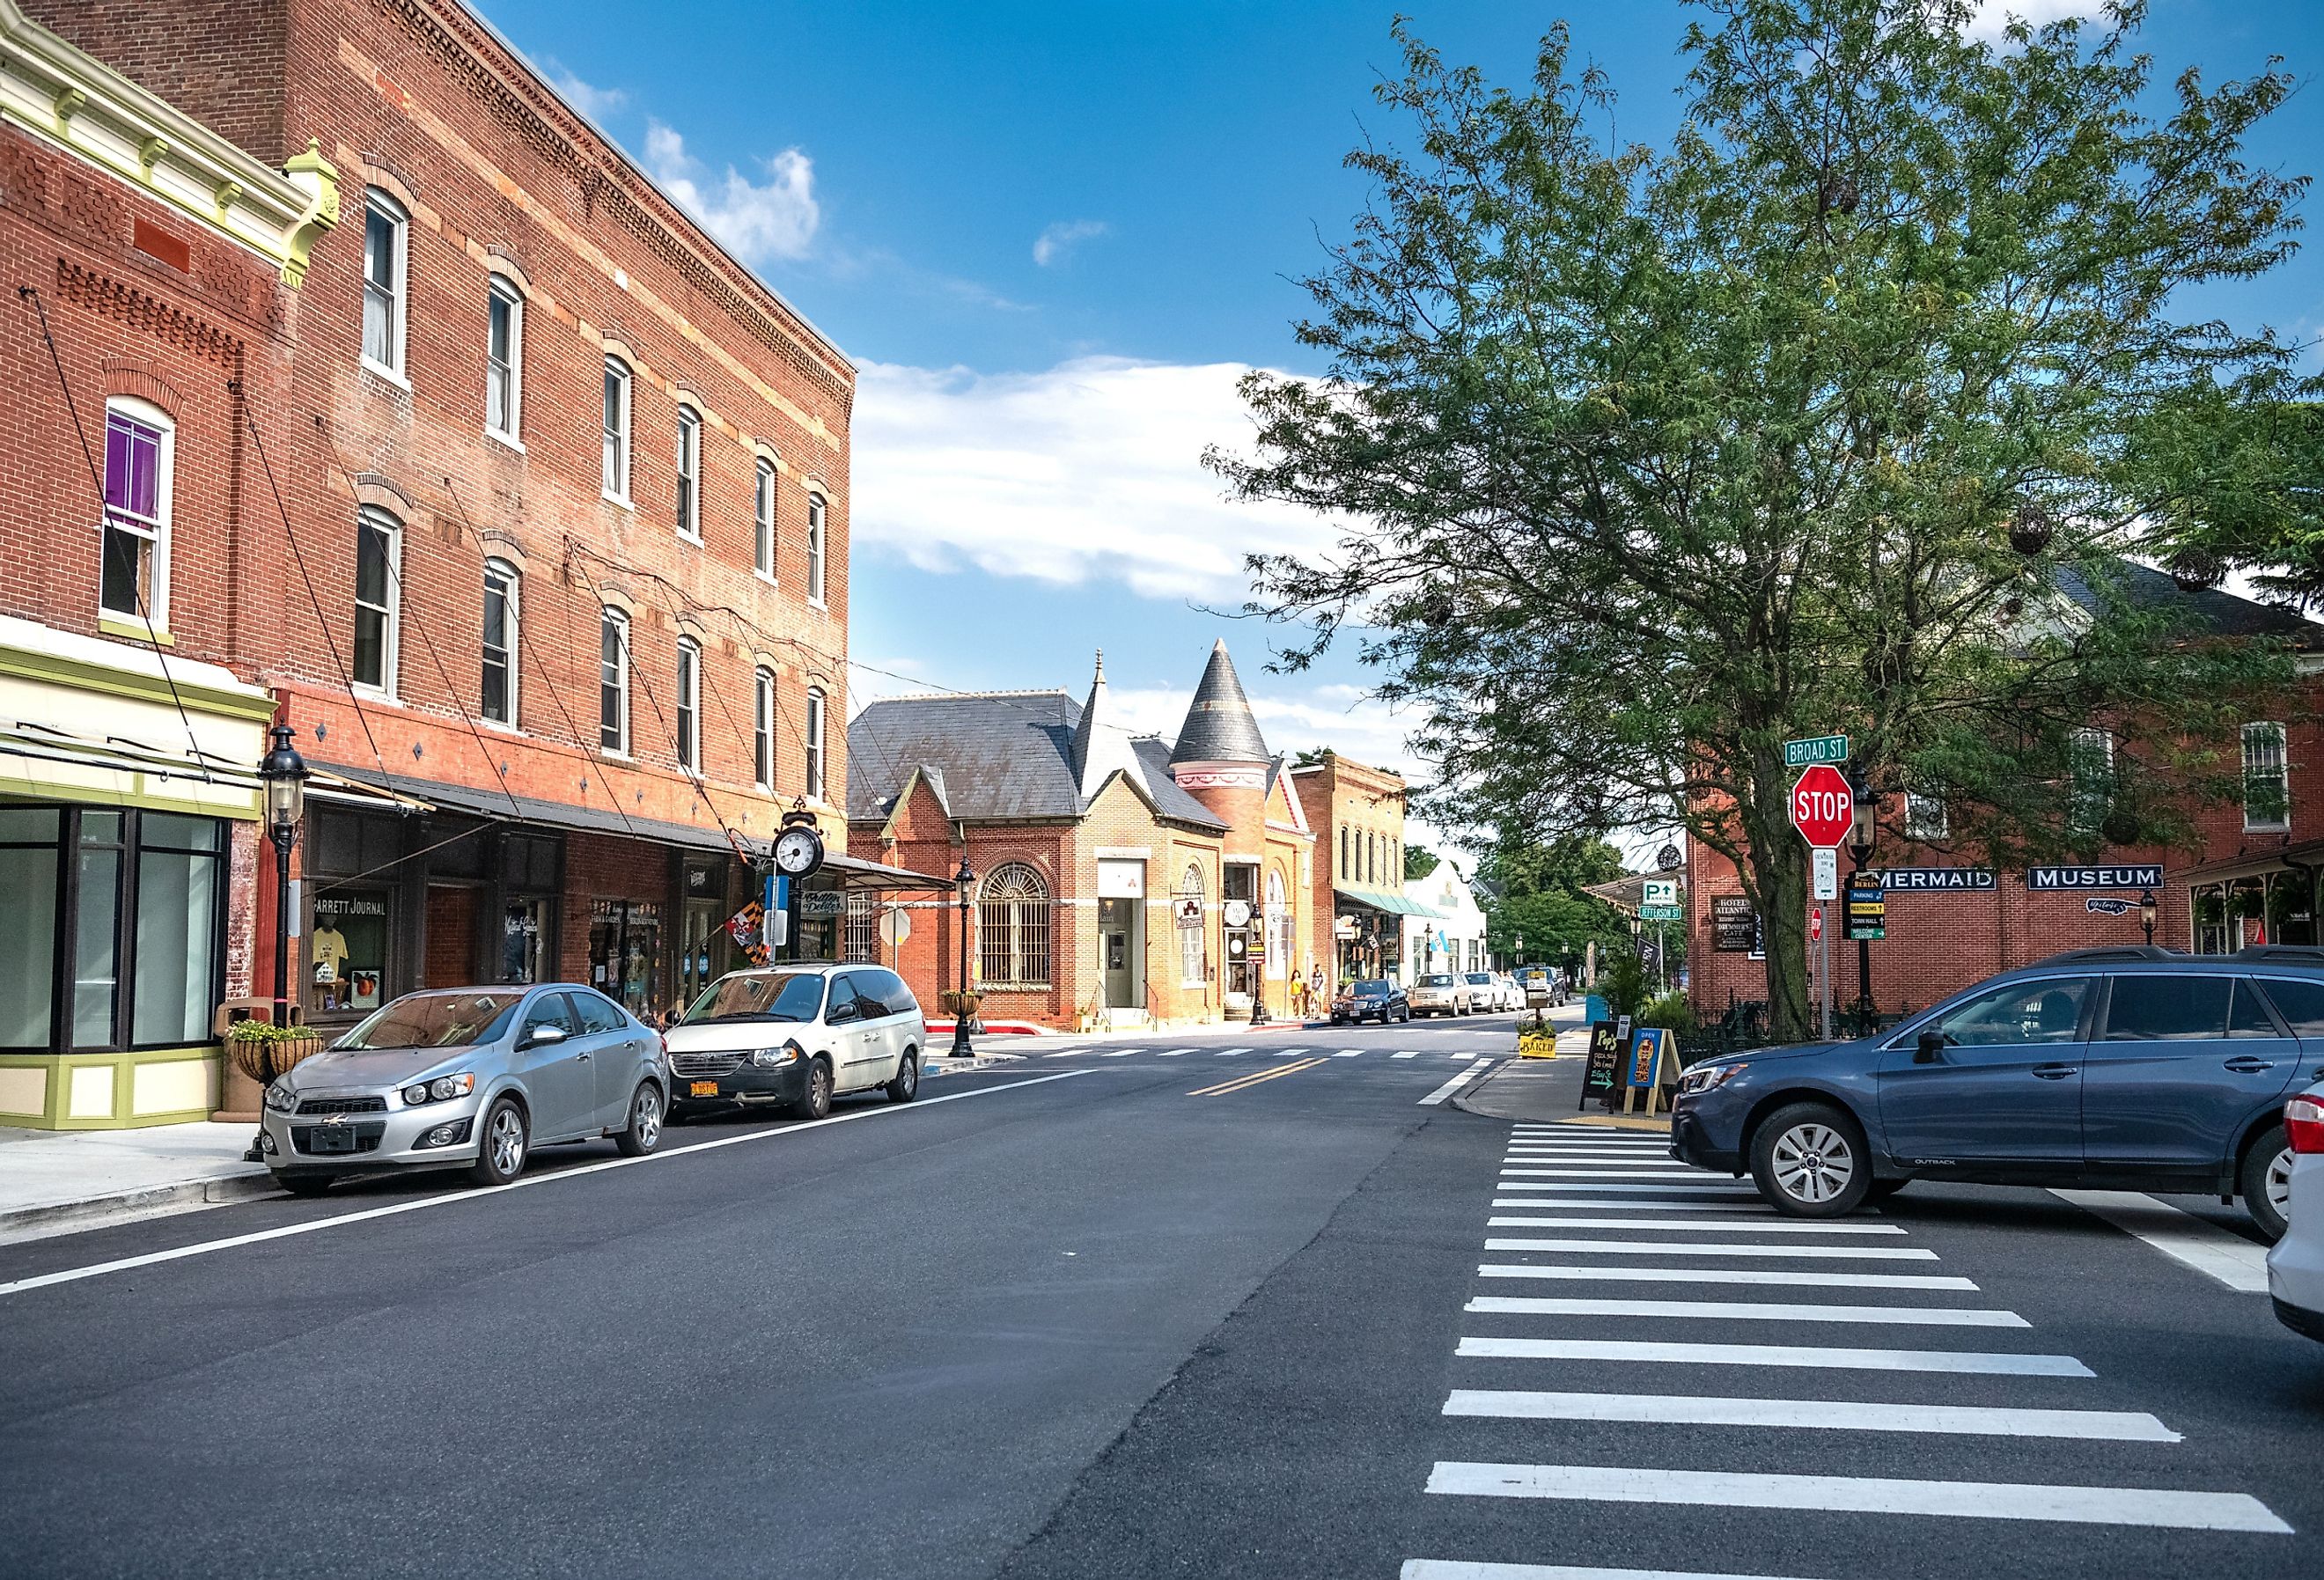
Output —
(135, 630)
(54, 670)
(60, 1066)
(33, 788)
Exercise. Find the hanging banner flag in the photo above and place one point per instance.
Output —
(748, 928)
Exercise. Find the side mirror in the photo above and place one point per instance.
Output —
(542, 1036)
(1931, 1048)
(838, 1014)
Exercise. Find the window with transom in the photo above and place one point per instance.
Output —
(134, 572)
(1013, 928)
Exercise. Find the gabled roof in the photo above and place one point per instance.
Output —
(2209, 611)
(1100, 746)
(1219, 726)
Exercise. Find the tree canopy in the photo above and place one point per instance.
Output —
(1837, 412)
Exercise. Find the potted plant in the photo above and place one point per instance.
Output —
(957, 1002)
(263, 1051)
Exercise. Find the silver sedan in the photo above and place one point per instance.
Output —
(471, 1077)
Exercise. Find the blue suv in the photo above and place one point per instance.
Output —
(2127, 1068)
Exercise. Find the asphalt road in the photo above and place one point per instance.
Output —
(1163, 1310)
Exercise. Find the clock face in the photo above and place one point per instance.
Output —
(798, 850)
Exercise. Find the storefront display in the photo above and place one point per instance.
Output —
(347, 953)
(524, 928)
(625, 945)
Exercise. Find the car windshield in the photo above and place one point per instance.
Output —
(774, 995)
(436, 1019)
(1481, 976)
(1436, 979)
(1371, 989)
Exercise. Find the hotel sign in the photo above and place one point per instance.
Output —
(1976, 879)
(2136, 877)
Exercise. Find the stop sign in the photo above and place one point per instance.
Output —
(1823, 807)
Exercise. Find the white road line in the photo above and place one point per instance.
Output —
(2162, 1507)
(1640, 1159)
(1120, 1052)
(1677, 1226)
(1064, 1053)
(1289, 1052)
(1592, 1171)
(1750, 1311)
(2182, 1236)
(1349, 1053)
(203, 1248)
(1408, 1053)
(1454, 1569)
(1174, 1052)
(1666, 1410)
(1629, 1205)
(1230, 1052)
(1722, 1275)
(1682, 1248)
(1813, 1357)
(1456, 1083)
(1710, 1185)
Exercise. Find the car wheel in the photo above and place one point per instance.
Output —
(2265, 1182)
(1809, 1161)
(505, 1141)
(907, 1083)
(304, 1184)
(814, 1103)
(644, 1132)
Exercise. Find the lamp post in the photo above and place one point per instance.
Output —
(964, 881)
(2146, 913)
(283, 774)
(1863, 833)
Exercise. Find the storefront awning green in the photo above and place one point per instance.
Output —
(1381, 900)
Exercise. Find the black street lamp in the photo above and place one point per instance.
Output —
(283, 774)
(2146, 911)
(964, 881)
(1863, 833)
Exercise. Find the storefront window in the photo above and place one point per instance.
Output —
(97, 971)
(626, 952)
(28, 877)
(348, 949)
(524, 926)
(176, 945)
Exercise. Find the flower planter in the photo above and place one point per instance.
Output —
(264, 1058)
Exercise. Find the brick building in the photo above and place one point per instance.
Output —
(1952, 919)
(1121, 879)
(479, 464)
(1359, 911)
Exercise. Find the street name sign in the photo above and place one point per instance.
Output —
(1660, 913)
(1815, 749)
(1824, 807)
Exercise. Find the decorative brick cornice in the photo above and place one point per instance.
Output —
(147, 314)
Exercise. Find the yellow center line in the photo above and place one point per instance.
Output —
(1240, 1082)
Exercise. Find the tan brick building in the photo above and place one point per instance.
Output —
(1119, 879)
(1358, 904)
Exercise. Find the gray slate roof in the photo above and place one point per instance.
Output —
(1001, 754)
(1219, 726)
(2205, 610)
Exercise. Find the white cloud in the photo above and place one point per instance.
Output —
(1993, 15)
(597, 103)
(1055, 240)
(1090, 470)
(759, 221)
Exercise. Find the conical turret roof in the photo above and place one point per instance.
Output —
(1101, 744)
(1219, 726)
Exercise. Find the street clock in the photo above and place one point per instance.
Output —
(798, 848)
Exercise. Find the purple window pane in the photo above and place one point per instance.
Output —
(133, 465)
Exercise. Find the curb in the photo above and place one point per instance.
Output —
(92, 1211)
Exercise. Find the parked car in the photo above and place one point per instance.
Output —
(1367, 997)
(796, 1036)
(1553, 980)
(1442, 993)
(2130, 1067)
(466, 1077)
(1485, 994)
(2295, 1268)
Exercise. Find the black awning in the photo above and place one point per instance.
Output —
(528, 809)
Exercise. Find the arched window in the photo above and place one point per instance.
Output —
(815, 547)
(763, 512)
(1344, 853)
(690, 473)
(815, 742)
(689, 705)
(1013, 921)
(503, 610)
(386, 226)
(503, 359)
(762, 729)
(134, 565)
(613, 681)
(1278, 929)
(1190, 939)
(379, 544)
(617, 429)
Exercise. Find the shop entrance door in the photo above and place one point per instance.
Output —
(626, 952)
(1121, 952)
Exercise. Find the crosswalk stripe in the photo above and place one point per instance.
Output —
(2158, 1507)
(1594, 1149)
(1175, 1052)
(1456, 1569)
(1666, 1410)
(1289, 1052)
(1820, 1358)
(1064, 1053)
(1230, 1052)
(1349, 1053)
(1676, 1226)
(1456, 1083)
(1594, 1171)
(2183, 1237)
(1637, 1160)
(1682, 1248)
(1408, 1053)
(1749, 1311)
(1793, 1277)
(1628, 1204)
(1709, 1185)
(1117, 1052)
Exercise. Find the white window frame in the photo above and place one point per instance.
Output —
(762, 727)
(618, 681)
(763, 520)
(2089, 801)
(690, 473)
(2282, 822)
(1927, 818)
(814, 712)
(396, 293)
(616, 425)
(154, 529)
(511, 582)
(1194, 942)
(817, 549)
(372, 518)
(688, 707)
(501, 292)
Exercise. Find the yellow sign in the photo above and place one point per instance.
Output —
(1537, 1042)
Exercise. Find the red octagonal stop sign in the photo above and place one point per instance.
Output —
(1823, 806)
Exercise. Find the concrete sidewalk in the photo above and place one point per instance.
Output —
(1537, 1090)
(52, 1182)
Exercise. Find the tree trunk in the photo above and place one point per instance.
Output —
(1780, 869)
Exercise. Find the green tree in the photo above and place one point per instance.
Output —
(1821, 417)
(1537, 896)
(1418, 863)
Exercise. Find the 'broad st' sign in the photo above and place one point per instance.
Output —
(1815, 749)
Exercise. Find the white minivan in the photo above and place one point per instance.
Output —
(795, 1036)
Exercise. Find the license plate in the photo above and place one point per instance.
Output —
(703, 1089)
(330, 1139)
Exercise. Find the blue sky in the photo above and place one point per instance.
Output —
(1052, 235)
